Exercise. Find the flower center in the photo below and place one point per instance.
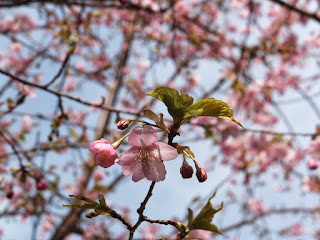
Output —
(146, 155)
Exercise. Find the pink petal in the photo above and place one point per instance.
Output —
(127, 157)
(100, 146)
(126, 170)
(105, 159)
(143, 137)
(165, 152)
(137, 171)
(97, 159)
(154, 170)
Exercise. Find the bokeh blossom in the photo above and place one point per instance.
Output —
(144, 158)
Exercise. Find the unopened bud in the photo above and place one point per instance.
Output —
(201, 174)
(9, 194)
(91, 214)
(186, 170)
(123, 124)
(313, 164)
(42, 184)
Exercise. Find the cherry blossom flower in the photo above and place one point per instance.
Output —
(26, 123)
(256, 206)
(105, 153)
(98, 175)
(150, 232)
(200, 234)
(144, 158)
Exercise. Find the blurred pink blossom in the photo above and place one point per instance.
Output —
(26, 123)
(256, 206)
(98, 175)
(150, 231)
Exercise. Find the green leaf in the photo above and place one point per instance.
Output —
(210, 107)
(190, 217)
(203, 219)
(177, 103)
(102, 201)
(100, 208)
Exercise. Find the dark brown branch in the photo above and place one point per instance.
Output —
(63, 66)
(86, 3)
(57, 93)
(303, 13)
(141, 210)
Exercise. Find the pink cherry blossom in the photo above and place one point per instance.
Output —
(150, 232)
(105, 153)
(144, 158)
(256, 206)
(314, 148)
(26, 123)
(200, 234)
(98, 175)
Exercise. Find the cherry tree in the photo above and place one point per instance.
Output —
(168, 119)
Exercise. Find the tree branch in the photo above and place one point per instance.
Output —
(303, 13)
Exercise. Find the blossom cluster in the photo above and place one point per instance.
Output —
(143, 160)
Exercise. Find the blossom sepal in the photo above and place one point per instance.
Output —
(99, 208)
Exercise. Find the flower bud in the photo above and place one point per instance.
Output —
(123, 124)
(9, 194)
(313, 164)
(42, 184)
(186, 170)
(201, 174)
(105, 152)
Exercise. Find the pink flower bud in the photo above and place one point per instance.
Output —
(98, 175)
(37, 175)
(105, 153)
(201, 174)
(42, 184)
(186, 170)
(313, 164)
(123, 124)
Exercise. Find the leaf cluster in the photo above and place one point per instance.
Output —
(181, 107)
(100, 208)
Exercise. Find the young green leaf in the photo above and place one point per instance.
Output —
(177, 103)
(203, 219)
(212, 108)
